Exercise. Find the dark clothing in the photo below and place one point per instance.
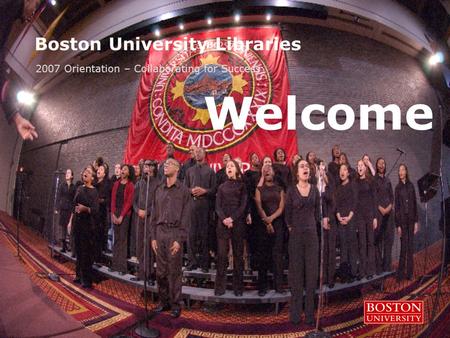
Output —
(302, 212)
(346, 203)
(405, 217)
(384, 234)
(329, 254)
(231, 201)
(302, 215)
(83, 228)
(221, 176)
(169, 222)
(65, 206)
(200, 175)
(101, 231)
(333, 171)
(122, 197)
(282, 175)
(270, 246)
(405, 204)
(364, 216)
(143, 238)
(184, 168)
(346, 199)
(253, 230)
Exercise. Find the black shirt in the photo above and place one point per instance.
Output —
(89, 198)
(282, 175)
(270, 198)
(405, 204)
(201, 175)
(120, 198)
(66, 195)
(171, 209)
(140, 194)
(221, 176)
(345, 199)
(365, 200)
(231, 200)
(383, 191)
(302, 212)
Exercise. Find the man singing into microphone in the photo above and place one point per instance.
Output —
(169, 227)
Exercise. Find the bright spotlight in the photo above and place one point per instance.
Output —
(53, 2)
(209, 21)
(157, 33)
(237, 18)
(268, 17)
(26, 98)
(436, 58)
(181, 26)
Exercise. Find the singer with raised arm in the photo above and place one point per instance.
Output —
(169, 226)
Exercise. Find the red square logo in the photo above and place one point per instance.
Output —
(393, 312)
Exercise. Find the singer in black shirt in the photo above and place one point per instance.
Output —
(406, 221)
(302, 215)
(384, 234)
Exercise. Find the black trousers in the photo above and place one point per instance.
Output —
(132, 235)
(406, 262)
(236, 234)
(119, 259)
(143, 247)
(349, 245)
(168, 267)
(270, 254)
(303, 271)
(100, 238)
(82, 233)
(64, 217)
(198, 245)
(329, 253)
(384, 239)
(366, 247)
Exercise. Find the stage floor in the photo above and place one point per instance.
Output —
(113, 307)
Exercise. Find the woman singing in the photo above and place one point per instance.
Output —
(121, 205)
(366, 221)
(103, 187)
(84, 221)
(406, 221)
(302, 214)
(231, 205)
(270, 203)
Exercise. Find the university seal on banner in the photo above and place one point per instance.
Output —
(178, 109)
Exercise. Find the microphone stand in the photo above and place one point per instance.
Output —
(317, 333)
(395, 163)
(144, 330)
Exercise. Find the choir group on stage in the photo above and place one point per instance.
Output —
(265, 219)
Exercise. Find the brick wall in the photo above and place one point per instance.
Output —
(332, 67)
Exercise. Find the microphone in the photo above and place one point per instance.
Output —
(400, 150)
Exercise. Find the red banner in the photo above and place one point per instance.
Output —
(170, 104)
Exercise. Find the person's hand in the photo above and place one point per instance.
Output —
(141, 213)
(270, 229)
(399, 230)
(249, 219)
(119, 220)
(375, 223)
(382, 210)
(80, 208)
(228, 222)
(56, 212)
(69, 228)
(113, 219)
(197, 191)
(175, 248)
(24, 127)
(416, 228)
(155, 246)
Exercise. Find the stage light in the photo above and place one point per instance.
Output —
(237, 18)
(26, 98)
(157, 33)
(436, 58)
(53, 2)
(268, 17)
(181, 26)
(209, 21)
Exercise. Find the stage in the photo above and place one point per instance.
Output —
(114, 307)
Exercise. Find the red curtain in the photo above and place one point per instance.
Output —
(170, 105)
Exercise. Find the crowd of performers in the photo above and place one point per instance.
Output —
(254, 220)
